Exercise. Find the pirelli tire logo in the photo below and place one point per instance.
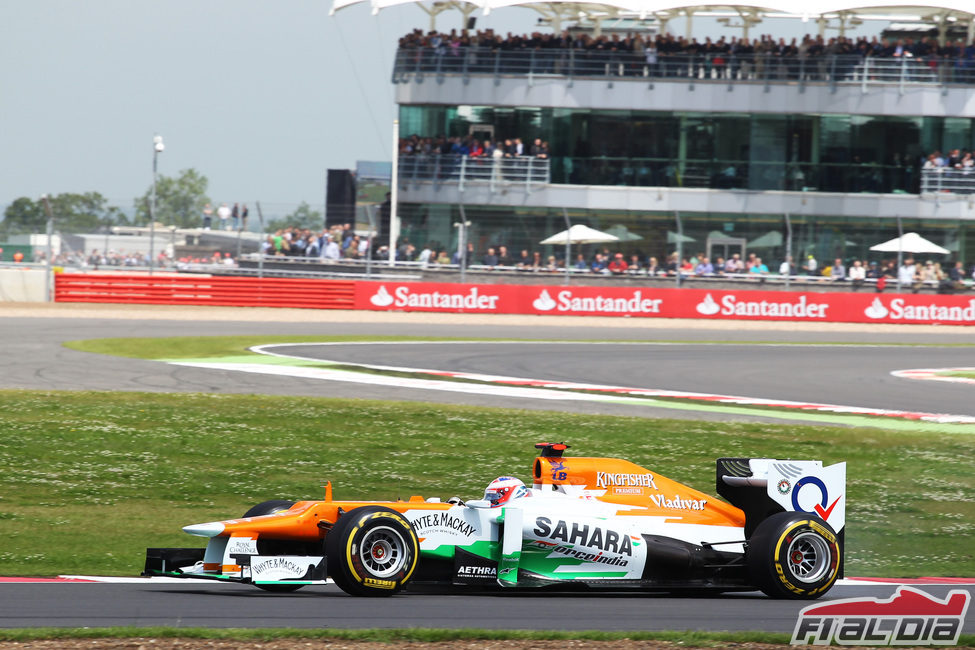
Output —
(379, 584)
(909, 617)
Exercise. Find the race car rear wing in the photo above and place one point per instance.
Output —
(762, 487)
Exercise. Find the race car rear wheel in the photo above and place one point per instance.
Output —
(793, 555)
(269, 508)
(371, 551)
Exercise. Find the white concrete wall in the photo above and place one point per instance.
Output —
(21, 285)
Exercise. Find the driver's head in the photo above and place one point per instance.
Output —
(503, 489)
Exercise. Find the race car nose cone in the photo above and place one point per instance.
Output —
(211, 529)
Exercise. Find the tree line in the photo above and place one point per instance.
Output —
(179, 202)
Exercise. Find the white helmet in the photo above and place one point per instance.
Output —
(503, 489)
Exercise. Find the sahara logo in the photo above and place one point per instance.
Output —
(909, 617)
(572, 533)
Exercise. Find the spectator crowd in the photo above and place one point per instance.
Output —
(672, 55)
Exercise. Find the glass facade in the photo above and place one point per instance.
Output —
(655, 233)
(811, 152)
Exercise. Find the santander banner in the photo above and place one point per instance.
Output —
(644, 302)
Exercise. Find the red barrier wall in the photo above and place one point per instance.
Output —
(197, 290)
(667, 303)
(517, 299)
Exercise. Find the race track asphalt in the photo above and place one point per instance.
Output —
(32, 357)
(858, 375)
(223, 606)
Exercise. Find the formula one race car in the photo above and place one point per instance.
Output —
(596, 522)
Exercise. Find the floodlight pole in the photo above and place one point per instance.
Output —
(394, 197)
(50, 232)
(568, 244)
(157, 148)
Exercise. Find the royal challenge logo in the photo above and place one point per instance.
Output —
(909, 617)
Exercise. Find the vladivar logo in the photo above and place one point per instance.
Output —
(909, 617)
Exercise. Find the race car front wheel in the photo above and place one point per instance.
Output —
(793, 555)
(269, 508)
(371, 551)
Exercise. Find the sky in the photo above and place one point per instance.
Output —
(262, 97)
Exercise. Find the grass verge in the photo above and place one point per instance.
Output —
(78, 464)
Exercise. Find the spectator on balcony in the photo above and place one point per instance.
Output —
(426, 256)
(504, 259)
(838, 272)
(580, 263)
(618, 265)
(758, 268)
(906, 273)
(599, 264)
(331, 250)
(312, 247)
(811, 266)
(787, 267)
(856, 274)
(704, 267)
(490, 258)
(653, 267)
(635, 265)
(734, 264)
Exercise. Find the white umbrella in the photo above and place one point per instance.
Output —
(910, 242)
(579, 234)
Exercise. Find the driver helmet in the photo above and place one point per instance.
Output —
(503, 489)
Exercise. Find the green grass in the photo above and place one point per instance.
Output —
(92, 478)
(221, 346)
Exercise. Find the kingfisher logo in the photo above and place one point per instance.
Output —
(909, 617)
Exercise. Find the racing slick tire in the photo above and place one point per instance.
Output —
(371, 551)
(269, 508)
(793, 555)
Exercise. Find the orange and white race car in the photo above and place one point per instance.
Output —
(597, 522)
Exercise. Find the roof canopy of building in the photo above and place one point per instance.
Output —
(938, 12)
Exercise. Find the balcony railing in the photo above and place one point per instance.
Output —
(528, 172)
(945, 180)
(415, 64)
